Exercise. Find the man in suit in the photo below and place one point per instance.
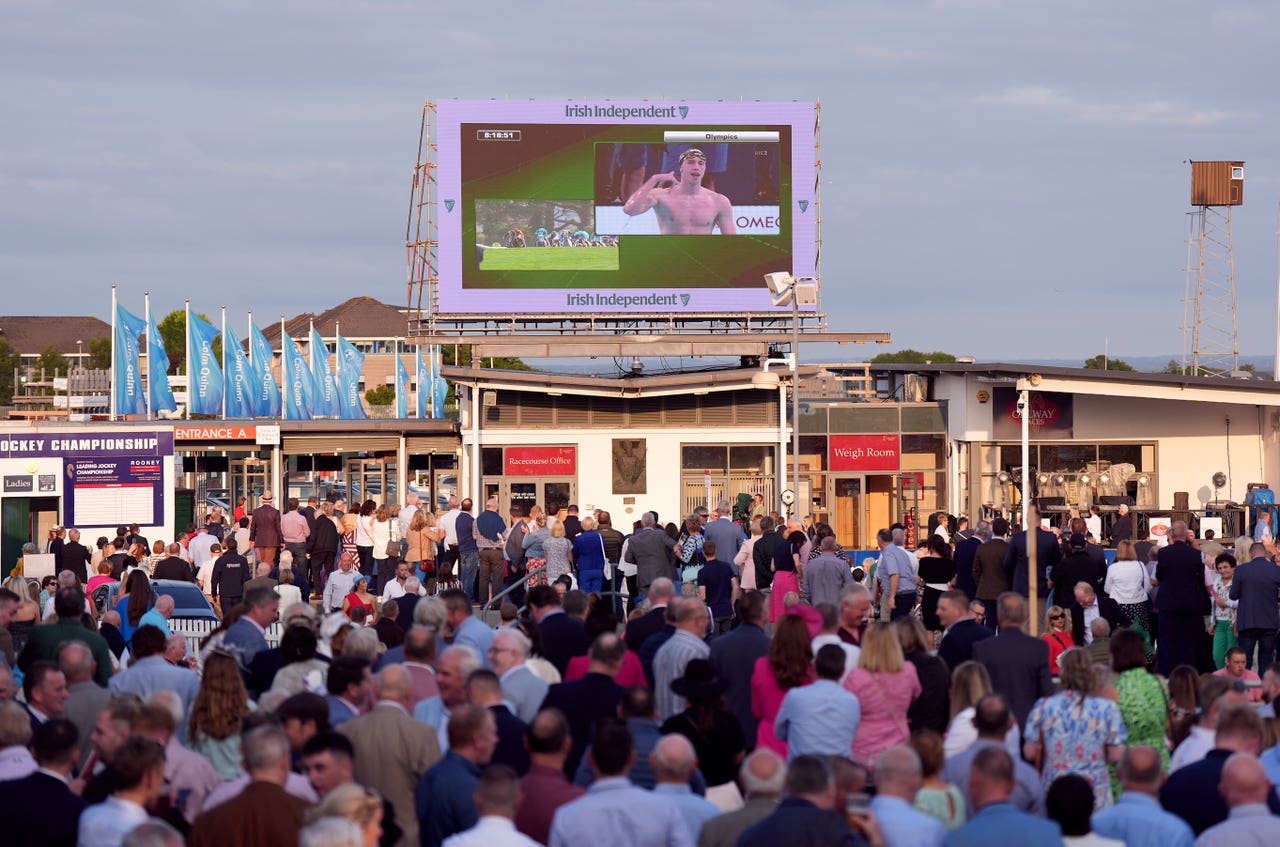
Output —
(806, 817)
(348, 683)
(1017, 663)
(173, 566)
(966, 549)
(991, 783)
(572, 523)
(1047, 555)
(652, 552)
(1087, 606)
(1182, 600)
(264, 814)
(246, 637)
(392, 749)
(41, 808)
(595, 696)
(445, 794)
(43, 641)
(961, 631)
(1257, 586)
(733, 656)
(264, 530)
(76, 557)
(726, 534)
(1076, 567)
(660, 593)
(1122, 527)
(484, 690)
(322, 548)
(563, 637)
(523, 690)
(762, 775)
(85, 698)
(989, 576)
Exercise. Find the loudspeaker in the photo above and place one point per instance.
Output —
(304, 463)
(1113, 500)
(327, 463)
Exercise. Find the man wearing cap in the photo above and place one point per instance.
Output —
(264, 530)
(681, 204)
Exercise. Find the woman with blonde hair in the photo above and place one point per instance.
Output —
(421, 538)
(364, 535)
(534, 553)
(970, 682)
(1058, 636)
(26, 615)
(1075, 731)
(386, 539)
(356, 803)
(885, 684)
(1128, 583)
(217, 715)
(557, 549)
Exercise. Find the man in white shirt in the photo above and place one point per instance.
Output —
(139, 769)
(406, 514)
(497, 795)
(396, 588)
(449, 523)
(339, 585)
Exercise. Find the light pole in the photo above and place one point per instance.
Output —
(785, 288)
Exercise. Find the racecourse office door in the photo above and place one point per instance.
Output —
(517, 497)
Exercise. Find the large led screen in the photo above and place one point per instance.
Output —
(597, 206)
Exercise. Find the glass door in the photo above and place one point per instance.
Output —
(249, 477)
(848, 512)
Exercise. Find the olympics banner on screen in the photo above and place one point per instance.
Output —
(606, 207)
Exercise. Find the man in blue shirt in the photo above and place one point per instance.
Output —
(468, 551)
(718, 587)
(490, 537)
(895, 575)
(150, 672)
(467, 629)
(444, 797)
(997, 821)
(726, 534)
(898, 780)
(674, 762)
(1136, 818)
(614, 811)
(820, 719)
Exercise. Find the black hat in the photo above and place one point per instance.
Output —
(1077, 542)
(699, 681)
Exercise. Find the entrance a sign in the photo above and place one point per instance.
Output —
(541, 461)
(865, 452)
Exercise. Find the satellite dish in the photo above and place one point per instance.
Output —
(1219, 480)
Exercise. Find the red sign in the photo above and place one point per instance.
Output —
(215, 433)
(541, 461)
(864, 452)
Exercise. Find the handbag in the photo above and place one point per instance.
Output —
(393, 549)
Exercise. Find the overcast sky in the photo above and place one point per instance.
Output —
(1000, 179)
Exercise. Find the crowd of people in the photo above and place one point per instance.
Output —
(716, 681)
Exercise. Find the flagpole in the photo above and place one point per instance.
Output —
(395, 348)
(284, 377)
(114, 332)
(337, 360)
(146, 299)
(224, 362)
(252, 372)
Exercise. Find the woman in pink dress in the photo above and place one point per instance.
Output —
(787, 666)
(885, 684)
(788, 573)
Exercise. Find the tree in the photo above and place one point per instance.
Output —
(914, 357)
(383, 395)
(173, 332)
(1106, 363)
(9, 360)
(99, 353)
(50, 361)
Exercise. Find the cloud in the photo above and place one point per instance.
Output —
(1156, 113)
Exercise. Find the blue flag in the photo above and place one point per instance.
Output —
(350, 363)
(127, 382)
(439, 390)
(158, 389)
(402, 389)
(266, 398)
(241, 383)
(423, 378)
(326, 399)
(204, 383)
(296, 376)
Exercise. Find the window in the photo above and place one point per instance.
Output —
(1237, 173)
(698, 457)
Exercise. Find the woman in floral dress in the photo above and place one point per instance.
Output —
(1140, 694)
(1074, 732)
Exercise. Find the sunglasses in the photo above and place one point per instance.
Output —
(1056, 617)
